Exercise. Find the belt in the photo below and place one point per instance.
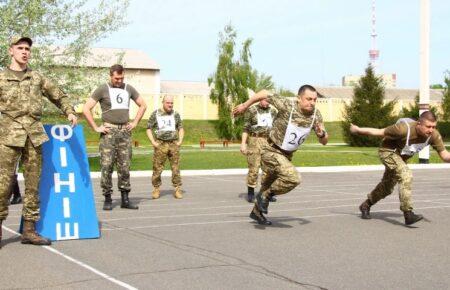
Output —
(111, 125)
(265, 135)
(275, 146)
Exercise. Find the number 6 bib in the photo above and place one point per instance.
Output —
(120, 98)
(295, 136)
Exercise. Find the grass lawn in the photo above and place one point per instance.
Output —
(232, 158)
(310, 154)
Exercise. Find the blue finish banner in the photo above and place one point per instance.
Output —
(67, 199)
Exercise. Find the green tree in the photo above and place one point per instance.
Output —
(367, 109)
(261, 82)
(285, 92)
(412, 111)
(74, 24)
(230, 82)
(446, 98)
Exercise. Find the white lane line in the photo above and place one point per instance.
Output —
(248, 220)
(240, 213)
(86, 266)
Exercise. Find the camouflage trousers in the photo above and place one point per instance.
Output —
(115, 149)
(280, 175)
(32, 164)
(396, 171)
(166, 150)
(254, 147)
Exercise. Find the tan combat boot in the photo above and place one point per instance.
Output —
(178, 194)
(29, 235)
(156, 193)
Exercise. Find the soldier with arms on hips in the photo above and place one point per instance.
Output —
(258, 121)
(165, 132)
(115, 132)
(400, 142)
(22, 93)
(291, 127)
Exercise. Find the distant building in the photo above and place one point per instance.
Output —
(389, 80)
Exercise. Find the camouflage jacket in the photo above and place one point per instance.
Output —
(251, 119)
(165, 134)
(21, 104)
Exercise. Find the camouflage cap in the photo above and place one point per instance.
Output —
(17, 38)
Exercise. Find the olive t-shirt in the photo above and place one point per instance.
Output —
(18, 73)
(395, 137)
(109, 114)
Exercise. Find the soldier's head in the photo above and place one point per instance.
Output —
(117, 75)
(426, 124)
(307, 97)
(167, 104)
(264, 103)
(20, 50)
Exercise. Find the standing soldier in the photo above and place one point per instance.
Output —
(291, 127)
(165, 132)
(258, 121)
(22, 134)
(115, 132)
(400, 142)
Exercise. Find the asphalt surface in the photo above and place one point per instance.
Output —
(207, 241)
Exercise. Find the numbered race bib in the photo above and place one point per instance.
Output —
(264, 120)
(410, 150)
(166, 123)
(120, 98)
(294, 137)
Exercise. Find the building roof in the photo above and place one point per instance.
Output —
(390, 93)
(106, 57)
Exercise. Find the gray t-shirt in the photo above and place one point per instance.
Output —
(115, 108)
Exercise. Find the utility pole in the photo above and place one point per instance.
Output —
(424, 101)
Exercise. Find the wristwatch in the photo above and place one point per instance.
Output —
(324, 133)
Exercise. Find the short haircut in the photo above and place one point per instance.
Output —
(303, 88)
(428, 115)
(116, 68)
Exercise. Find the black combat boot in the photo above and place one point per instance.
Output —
(250, 194)
(107, 205)
(126, 201)
(259, 217)
(17, 198)
(30, 236)
(262, 203)
(411, 218)
(272, 197)
(365, 209)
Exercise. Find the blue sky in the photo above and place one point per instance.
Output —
(294, 41)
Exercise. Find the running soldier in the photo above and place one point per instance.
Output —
(258, 121)
(400, 142)
(291, 127)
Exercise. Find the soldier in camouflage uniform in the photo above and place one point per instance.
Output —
(291, 126)
(258, 121)
(165, 132)
(22, 134)
(115, 132)
(400, 142)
